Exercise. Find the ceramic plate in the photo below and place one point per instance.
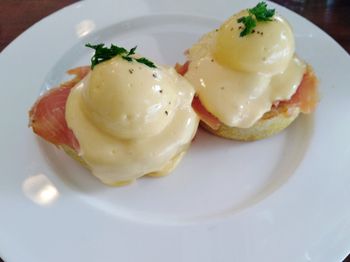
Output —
(285, 198)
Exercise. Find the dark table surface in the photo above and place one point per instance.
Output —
(330, 15)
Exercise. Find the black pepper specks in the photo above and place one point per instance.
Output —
(212, 60)
(222, 88)
(166, 112)
(154, 75)
(131, 70)
(160, 91)
(216, 30)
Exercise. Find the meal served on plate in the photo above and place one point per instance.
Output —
(124, 118)
(249, 82)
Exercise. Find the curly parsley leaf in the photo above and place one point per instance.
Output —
(127, 58)
(132, 51)
(259, 13)
(249, 24)
(103, 53)
(145, 61)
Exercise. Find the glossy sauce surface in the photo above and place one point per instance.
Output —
(239, 78)
(125, 126)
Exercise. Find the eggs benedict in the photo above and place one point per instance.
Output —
(126, 117)
(249, 82)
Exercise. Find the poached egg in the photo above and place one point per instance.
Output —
(237, 79)
(130, 119)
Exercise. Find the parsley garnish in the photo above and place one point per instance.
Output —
(249, 24)
(259, 13)
(103, 53)
(145, 61)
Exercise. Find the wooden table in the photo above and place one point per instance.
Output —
(330, 15)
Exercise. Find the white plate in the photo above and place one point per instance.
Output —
(281, 199)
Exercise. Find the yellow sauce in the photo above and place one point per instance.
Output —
(239, 78)
(130, 120)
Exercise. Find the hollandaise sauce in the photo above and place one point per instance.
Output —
(130, 119)
(238, 78)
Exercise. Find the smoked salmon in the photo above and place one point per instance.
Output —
(306, 98)
(182, 69)
(204, 115)
(47, 116)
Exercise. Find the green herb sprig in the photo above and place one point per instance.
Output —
(259, 13)
(103, 53)
(249, 24)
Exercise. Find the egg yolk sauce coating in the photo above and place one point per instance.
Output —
(238, 79)
(130, 119)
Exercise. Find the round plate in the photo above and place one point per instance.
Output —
(280, 199)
